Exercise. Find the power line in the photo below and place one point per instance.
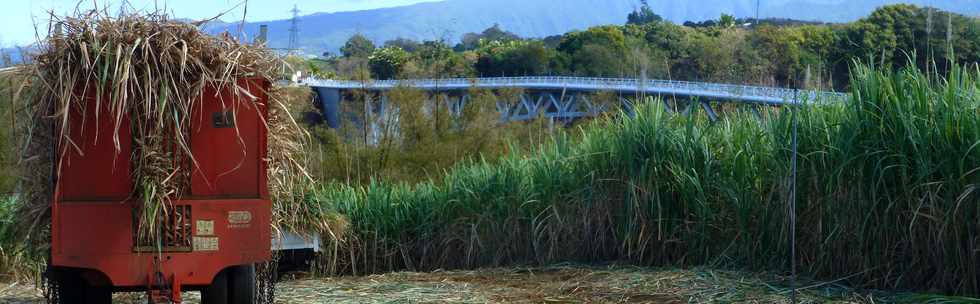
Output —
(792, 200)
(931, 56)
(949, 33)
(123, 8)
(294, 30)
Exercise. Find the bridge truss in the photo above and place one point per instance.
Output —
(565, 98)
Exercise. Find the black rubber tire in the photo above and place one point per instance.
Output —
(241, 284)
(71, 288)
(217, 292)
(98, 294)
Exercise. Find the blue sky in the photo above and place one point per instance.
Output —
(18, 17)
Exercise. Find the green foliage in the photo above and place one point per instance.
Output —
(643, 16)
(8, 233)
(513, 58)
(319, 70)
(894, 33)
(771, 52)
(435, 59)
(726, 21)
(417, 138)
(667, 37)
(887, 191)
(9, 85)
(597, 51)
(433, 51)
(406, 44)
(713, 57)
(314, 67)
(16, 260)
(471, 41)
(387, 62)
(598, 60)
(357, 46)
(608, 35)
(793, 50)
(895, 29)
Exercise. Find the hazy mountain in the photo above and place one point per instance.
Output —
(14, 55)
(810, 10)
(450, 19)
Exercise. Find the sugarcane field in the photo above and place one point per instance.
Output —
(470, 151)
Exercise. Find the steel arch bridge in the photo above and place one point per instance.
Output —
(563, 98)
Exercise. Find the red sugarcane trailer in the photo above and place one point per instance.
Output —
(212, 235)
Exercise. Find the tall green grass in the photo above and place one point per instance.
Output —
(15, 261)
(887, 186)
(888, 194)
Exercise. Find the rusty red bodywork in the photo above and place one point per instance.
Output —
(93, 209)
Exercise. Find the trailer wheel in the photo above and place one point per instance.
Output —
(241, 284)
(70, 288)
(217, 292)
(98, 295)
(73, 289)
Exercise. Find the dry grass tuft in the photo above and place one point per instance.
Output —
(289, 181)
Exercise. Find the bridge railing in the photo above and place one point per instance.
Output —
(596, 83)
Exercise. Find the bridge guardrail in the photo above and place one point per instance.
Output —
(665, 87)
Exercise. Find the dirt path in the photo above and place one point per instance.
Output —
(558, 284)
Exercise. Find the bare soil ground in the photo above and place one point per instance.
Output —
(559, 284)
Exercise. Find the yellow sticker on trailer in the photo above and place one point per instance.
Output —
(205, 227)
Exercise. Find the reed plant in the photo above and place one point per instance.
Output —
(887, 193)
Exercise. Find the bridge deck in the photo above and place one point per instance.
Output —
(710, 91)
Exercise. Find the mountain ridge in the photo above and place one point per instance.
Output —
(450, 19)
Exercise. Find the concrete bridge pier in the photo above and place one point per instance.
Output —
(329, 99)
(709, 111)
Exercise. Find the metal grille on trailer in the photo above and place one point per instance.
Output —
(175, 227)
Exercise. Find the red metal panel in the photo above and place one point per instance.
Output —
(228, 143)
(105, 244)
(91, 167)
(93, 227)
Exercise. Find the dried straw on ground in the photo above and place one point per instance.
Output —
(553, 284)
(152, 70)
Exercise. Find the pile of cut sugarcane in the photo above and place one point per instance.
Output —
(151, 70)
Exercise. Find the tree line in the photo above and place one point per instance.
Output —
(420, 140)
(776, 52)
